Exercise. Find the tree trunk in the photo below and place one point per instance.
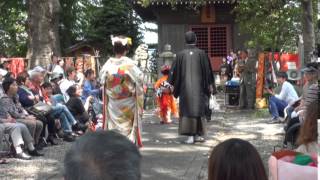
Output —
(43, 31)
(307, 30)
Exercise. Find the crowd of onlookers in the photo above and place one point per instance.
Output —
(41, 105)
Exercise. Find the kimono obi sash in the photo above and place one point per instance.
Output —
(120, 86)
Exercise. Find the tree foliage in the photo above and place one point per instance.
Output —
(273, 24)
(13, 36)
(89, 20)
(112, 17)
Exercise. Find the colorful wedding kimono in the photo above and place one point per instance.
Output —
(123, 97)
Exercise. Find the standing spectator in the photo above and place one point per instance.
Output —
(80, 77)
(66, 83)
(225, 71)
(247, 68)
(52, 65)
(123, 91)
(11, 108)
(102, 155)
(58, 68)
(235, 159)
(191, 76)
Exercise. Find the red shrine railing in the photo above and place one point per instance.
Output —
(215, 40)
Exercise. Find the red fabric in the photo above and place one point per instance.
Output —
(46, 98)
(282, 153)
(166, 101)
(139, 139)
(16, 66)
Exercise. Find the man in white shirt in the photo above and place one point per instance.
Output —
(66, 83)
(278, 102)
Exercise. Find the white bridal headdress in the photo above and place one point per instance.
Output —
(124, 40)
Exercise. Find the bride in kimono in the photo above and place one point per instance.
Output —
(123, 92)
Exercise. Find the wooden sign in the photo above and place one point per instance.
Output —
(208, 14)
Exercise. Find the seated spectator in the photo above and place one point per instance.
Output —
(36, 79)
(235, 159)
(278, 102)
(20, 136)
(310, 77)
(66, 83)
(75, 105)
(27, 98)
(89, 87)
(55, 79)
(296, 113)
(111, 157)
(60, 111)
(308, 134)
(11, 108)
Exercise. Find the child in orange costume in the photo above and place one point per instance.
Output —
(165, 98)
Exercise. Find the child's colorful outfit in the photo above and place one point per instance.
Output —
(165, 100)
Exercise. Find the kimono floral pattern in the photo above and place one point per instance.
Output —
(123, 94)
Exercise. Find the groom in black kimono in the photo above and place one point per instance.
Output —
(192, 78)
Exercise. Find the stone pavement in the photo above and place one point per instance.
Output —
(164, 157)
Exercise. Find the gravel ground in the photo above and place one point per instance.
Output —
(164, 157)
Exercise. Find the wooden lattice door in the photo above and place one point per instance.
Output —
(215, 40)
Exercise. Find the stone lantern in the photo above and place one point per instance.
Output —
(166, 57)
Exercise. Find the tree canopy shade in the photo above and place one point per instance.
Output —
(276, 24)
(13, 35)
(273, 24)
(39, 28)
(112, 17)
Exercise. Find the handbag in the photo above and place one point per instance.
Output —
(40, 108)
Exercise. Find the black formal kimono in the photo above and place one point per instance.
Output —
(191, 75)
